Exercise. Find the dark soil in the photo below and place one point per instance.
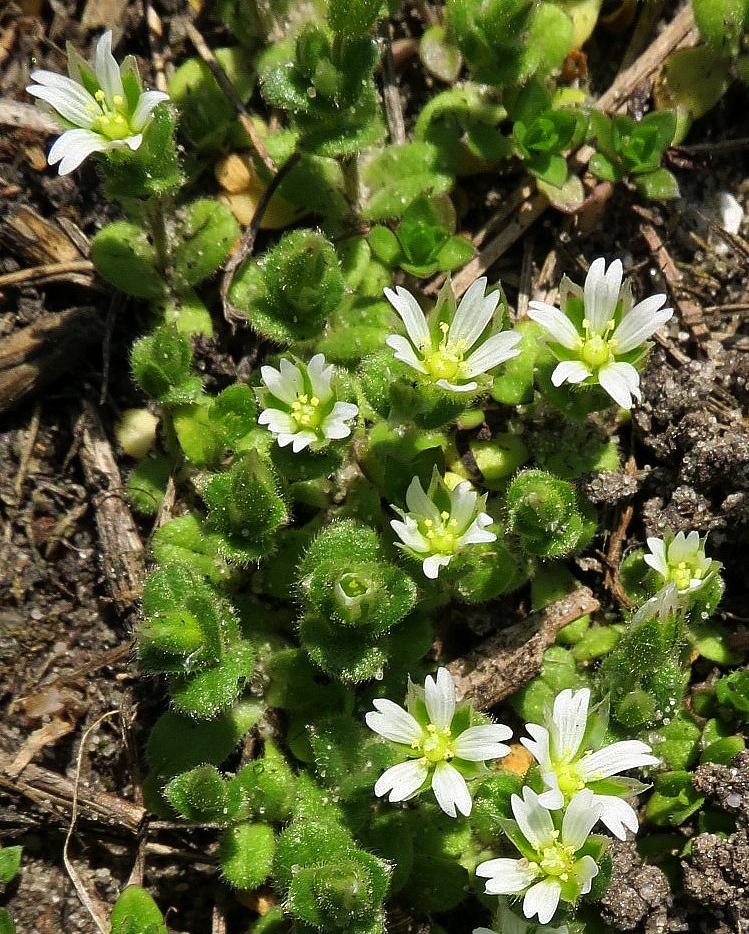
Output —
(74, 708)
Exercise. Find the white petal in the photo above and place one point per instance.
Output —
(601, 293)
(621, 381)
(334, 426)
(420, 504)
(106, 68)
(495, 350)
(617, 814)
(570, 371)
(569, 722)
(552, 799)
(585, 871)
(393, 722)
(431, 565)
(533, 819)
(439, 697)
(542, 900)
(144, 108)
(479, 743)
(73, 147)
(300, 441)
(320, 377)
(402, 781)
(684, 548)
(657, 560)
(641, 323)
(506, 876)
(66, 96)
(455, 387)
(405, 352)
(539, 745)
(450, 790)
(462, 504)
(412, 316)
(408, 532)
(285, 384)
(618, 757)
(278, 421)
(477, 532)
(472, 316)
(555, 322)
(582, 813)
(132, 142)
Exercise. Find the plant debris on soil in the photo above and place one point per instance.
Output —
(72, 557)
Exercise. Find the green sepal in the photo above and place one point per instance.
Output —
(205, 232)
(208, 693)
(246, 854)
(135, 912)
(203, 795)
(153, 170)
(123, 255)
(674, 799)
(10, 861)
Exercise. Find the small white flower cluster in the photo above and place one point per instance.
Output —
(301, 408)
(102, 106)
(599, 335)
(551, 829)
(441, 522)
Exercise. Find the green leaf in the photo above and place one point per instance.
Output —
(203, 795)
(399, 174)
(205, 233)
(568, 197)
(124, 257)
(209, 693)
(10, 860)
(146, 485)
(603, 168)
(196, 435)
(385, 245)
(353, 18)
(135, 912)
(659, 185)
(455, 253)
(184, 541)
(439, 54)
(246, 855)
(7, 925)
(674, 799)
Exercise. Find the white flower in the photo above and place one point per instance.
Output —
(456, 346)
(435, 733)
(568, 765)
(550, 869)
(102, 106)
(681, 558)
(440, 523)
(599, 336)
(507, 922)
(301, 405)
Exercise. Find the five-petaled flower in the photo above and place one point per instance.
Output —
(568, 764)
(103, 107)
(301, 408)
(441, 522)
(455, 346)
(556, 863)
(681, 558)
(600, 336)
(443, 748)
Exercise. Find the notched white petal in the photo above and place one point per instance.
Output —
(450, 790)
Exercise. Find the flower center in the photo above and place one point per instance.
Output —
(305, 411)
(596, 349)
(682, 574)
(446, 362)
(442, 536)
(436, 744)
(569, 780)
(557, 860)
(112, 121)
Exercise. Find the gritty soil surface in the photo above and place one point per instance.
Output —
(75, 713)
